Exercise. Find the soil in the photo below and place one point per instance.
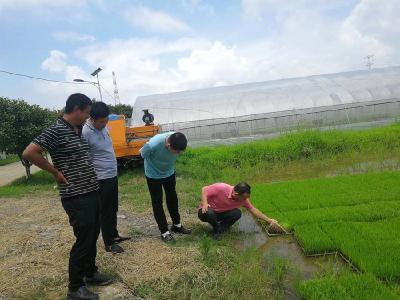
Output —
(35, 240)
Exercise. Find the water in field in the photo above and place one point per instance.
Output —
(284, 259)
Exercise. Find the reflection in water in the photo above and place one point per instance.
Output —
(283, 254)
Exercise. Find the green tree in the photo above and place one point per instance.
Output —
(121, 109)
(20, 124)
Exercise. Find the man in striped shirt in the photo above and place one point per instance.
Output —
(74, 173)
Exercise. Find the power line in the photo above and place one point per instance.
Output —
(53, 80)
(107, 92)
(39, 78)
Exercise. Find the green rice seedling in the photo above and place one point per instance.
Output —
(313, 240)
(365, 287)
(323, 221)
(323, 289)
(379, 257)
(350, 286)
(329, 192)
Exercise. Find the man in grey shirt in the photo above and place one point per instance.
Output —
(105, 165)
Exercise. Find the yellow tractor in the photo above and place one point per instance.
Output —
(127, 141)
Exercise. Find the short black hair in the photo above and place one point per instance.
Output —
(242, 188)
(99, 110)
(80, 100)
(178, 141)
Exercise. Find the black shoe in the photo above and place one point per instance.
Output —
(120, 239)
(169, 239)
(224, 228)
(114, 248)
(98, 279)
(217, 235)
(180, 229)
(82, 293)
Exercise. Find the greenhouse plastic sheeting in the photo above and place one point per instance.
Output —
(270, 96)
(263, 107)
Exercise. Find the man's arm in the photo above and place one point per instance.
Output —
(146, 150)
(258, 214)
(204, 201)
(34, 154)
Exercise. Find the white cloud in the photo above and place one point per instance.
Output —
(55, 62)
(378, 19)
(70, 36)
(136, 62)
(320, 40)
(254, 8)
(152, 20)
(279, 10)
(194, 6)
(307, 42)
(24, 4)
(374, 27)
(216, 65)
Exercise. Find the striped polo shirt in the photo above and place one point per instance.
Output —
(69, 153)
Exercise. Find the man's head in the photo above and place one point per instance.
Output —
(176, 142)
(78, 108)
(99, 115)
(241, 191)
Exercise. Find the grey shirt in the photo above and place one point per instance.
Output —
(101, 151)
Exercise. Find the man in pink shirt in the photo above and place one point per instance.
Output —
(220, 204)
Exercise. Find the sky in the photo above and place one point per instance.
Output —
(163, 46)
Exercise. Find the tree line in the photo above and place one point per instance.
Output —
(21, 122)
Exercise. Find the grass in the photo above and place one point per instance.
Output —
(9, 159)
(318, 210)
(300, 155)
(37, 183)
(227, 274)
(251, 159)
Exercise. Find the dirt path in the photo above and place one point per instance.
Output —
(35, 240)
(10, 172)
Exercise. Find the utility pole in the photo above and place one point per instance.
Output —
(116, 95)
(370, 61)
(96, 73)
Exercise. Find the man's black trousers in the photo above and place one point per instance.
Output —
(156, 193)
(108, 209)
(83, 213)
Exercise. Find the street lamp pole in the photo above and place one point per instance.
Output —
(98, 85)
(95, 73)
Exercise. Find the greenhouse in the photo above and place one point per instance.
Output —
(275, 106)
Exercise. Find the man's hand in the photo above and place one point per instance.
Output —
(59, 177)
(272, 222)
(275, 228)
(204, 207)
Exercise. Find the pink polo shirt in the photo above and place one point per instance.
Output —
(219, 197)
